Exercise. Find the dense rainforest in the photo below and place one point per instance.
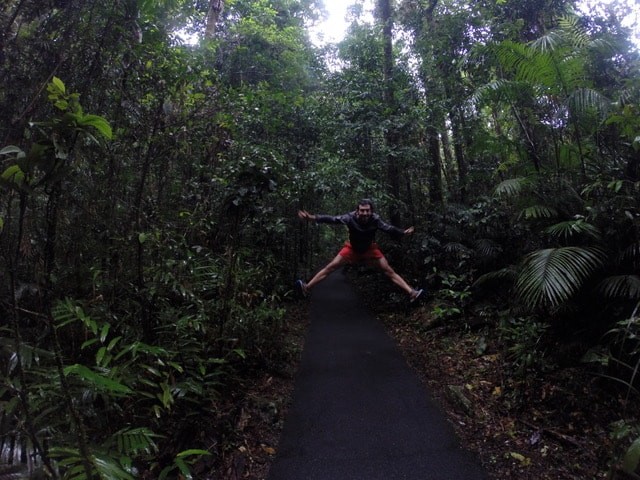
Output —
(153, 155)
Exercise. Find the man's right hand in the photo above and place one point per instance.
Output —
(304, 215)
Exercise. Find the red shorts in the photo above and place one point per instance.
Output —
(349, 254)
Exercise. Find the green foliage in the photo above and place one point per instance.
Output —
(169, 228)
(523, 338)
(552, 276)
(627, 119)
(574, 228)
(50, 153)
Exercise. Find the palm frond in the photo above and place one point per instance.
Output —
(487, 248)
(499, 90)
(132, 441)
(621, 286)
(546, 43)
(552, 276)
(570, 228)
(458, 249)
(511, 187)
(583, 100)
(631, 254)
(512, 54)
(536, 212)
(102, 466)
(504, 275)
(573, 32)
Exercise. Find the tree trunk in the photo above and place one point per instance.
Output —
(391, 134)
(435, 179)
(456, 128)
(213, 15)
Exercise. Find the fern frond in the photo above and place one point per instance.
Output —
(552, 276)
(621, 286)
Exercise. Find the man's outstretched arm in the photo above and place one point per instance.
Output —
(310, 217)
(304, 215)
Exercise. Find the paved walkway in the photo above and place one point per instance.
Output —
(359, 412)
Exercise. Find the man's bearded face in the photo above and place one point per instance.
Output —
(364, 213)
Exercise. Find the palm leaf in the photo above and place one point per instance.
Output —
(457, 249)
(132, 441)
(583, 100)
(498, 90)
(552, 276)
(488, 248)
(621, 286)
(511, 187)
(631, 254)
(536, 212)
(504, 275)
(571, 228)
(547, 43)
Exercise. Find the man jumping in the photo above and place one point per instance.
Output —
(361, 246)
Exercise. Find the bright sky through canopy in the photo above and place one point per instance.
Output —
(333, 29)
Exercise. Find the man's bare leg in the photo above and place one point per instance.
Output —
(383, 264)
(331, 267)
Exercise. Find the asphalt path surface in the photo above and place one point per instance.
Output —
(358, 411)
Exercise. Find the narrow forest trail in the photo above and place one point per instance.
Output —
(358, 411)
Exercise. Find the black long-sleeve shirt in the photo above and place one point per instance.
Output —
(361, 236)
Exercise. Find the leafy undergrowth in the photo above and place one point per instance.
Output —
(254, 416)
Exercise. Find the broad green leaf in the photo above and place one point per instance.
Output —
(59, 84)
(61, 105)
(104, 332)
(9, 149)
(97, 122)
(632, 457)
(193, 451)
(97, 380)
(88, 343)
(184, 468)
(100, 355)
(108, 467)
(13, 174)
